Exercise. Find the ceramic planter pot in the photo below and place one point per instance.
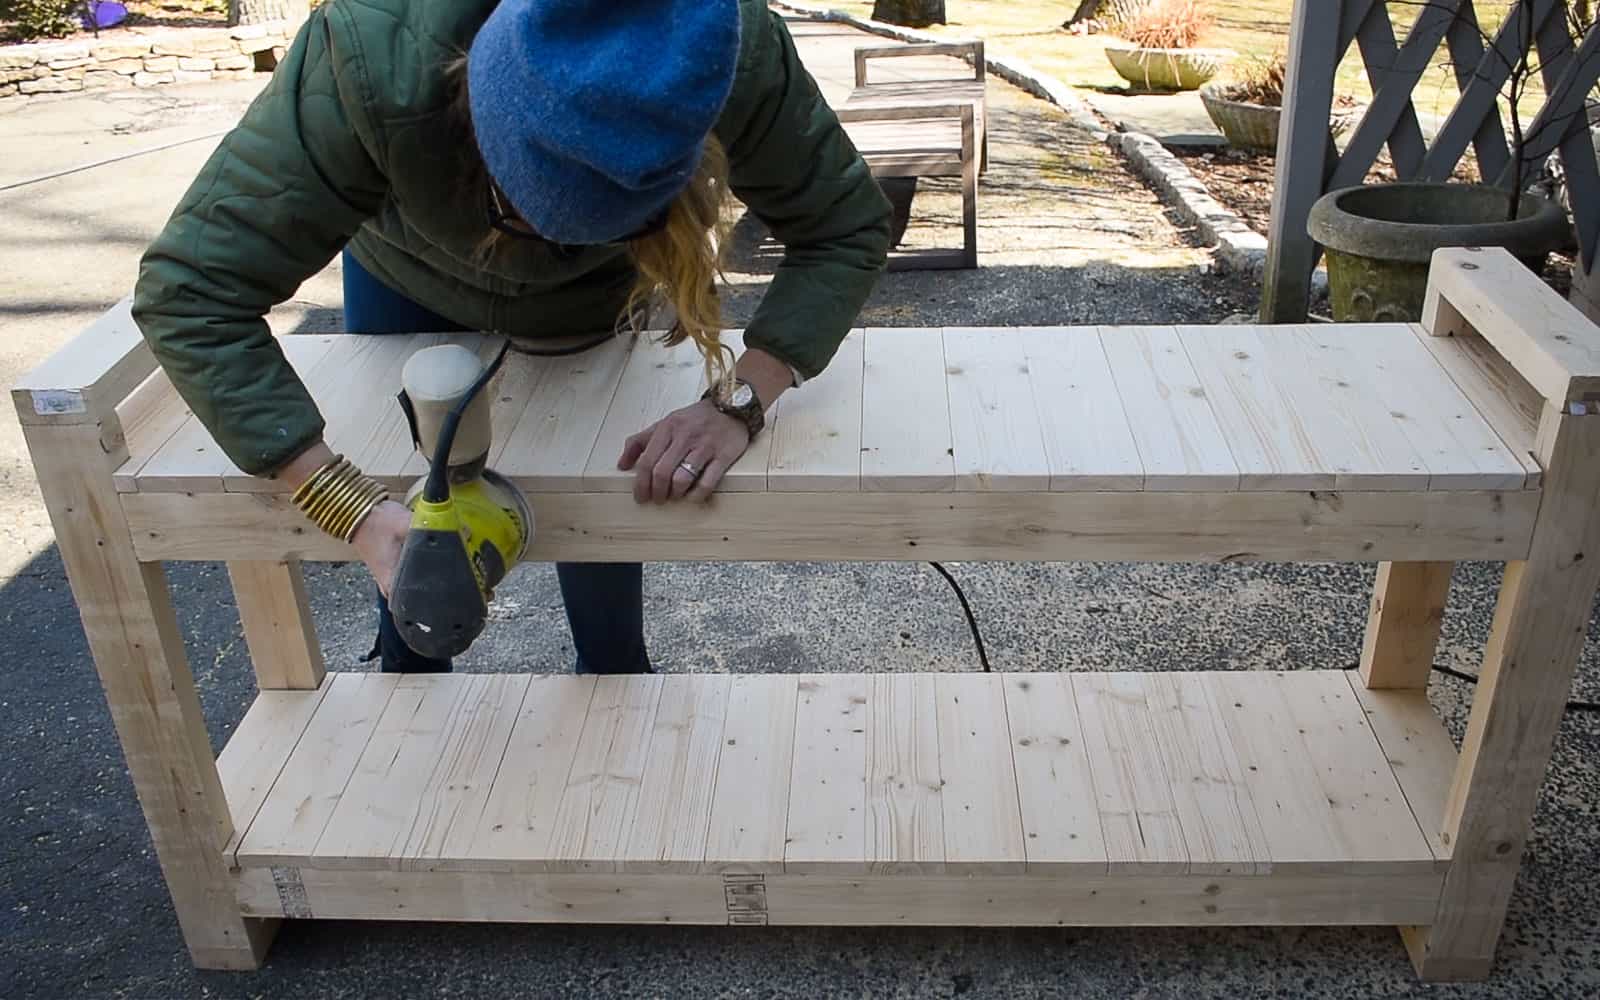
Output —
(1380, 238)
(1166, 69)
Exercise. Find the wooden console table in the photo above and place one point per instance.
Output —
(1315, 797)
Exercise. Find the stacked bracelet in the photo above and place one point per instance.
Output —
(338, 497)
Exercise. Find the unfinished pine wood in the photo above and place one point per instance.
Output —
(1544, 336)
(828, 783)
(655, 381)
(817, 446)
(1347, 421)
(83, 381)
(149, 417)
(1055, 793)
(551, 439)
(258, 748)
(290, 821)
(1192, 527)
(1538, 631)
(597, 808)
(276, 616)
(1221, 831)
(680, 776)
(514, 831)
(1419, 752)
(905, 413)
(994, 422)
(1403, 622)
(1181, 445)
(1460, 448)
(1087, 440)
(905, 801)
(192, 461)
(1266, 427)
(796, 900)
(750, 807)
(982, 818)
(1132, 788)
(1504, 397)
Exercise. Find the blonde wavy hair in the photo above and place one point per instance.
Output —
(679, 264)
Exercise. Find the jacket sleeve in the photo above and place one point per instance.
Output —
(280, 196)
(793, 166)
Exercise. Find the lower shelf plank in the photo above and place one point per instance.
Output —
(908, 900)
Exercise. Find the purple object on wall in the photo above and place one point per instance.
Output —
(104, 14)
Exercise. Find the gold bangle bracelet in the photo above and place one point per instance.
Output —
(338, 498)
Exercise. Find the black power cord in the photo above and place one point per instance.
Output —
(983, 655)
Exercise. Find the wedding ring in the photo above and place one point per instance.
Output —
(693, 472)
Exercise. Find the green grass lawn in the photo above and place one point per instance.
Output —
(1032, 29)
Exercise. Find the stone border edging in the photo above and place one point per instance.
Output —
(139, 58)
(1239, 248)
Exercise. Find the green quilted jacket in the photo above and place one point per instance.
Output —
(351, 143)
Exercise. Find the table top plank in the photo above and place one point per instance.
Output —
(1181, 445)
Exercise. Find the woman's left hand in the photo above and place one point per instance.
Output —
(685, 453)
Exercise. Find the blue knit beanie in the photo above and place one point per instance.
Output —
(591, 114)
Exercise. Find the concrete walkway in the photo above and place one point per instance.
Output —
(1067, 237)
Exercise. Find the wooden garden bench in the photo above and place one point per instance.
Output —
(927, 91)
(1305, 797)
(921, 141)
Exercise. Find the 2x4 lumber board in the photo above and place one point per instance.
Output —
(1055, 796)
(259, 748)
(1403, 622)
(795, 900)
(1180, 443)
(817, 445)
(1323, 791)
(1543, 335)
(90, 375)
(561, 404)
(1539, 628)
(275, 613)
(655, 381)
(288, 824)
(995, 432)
(1267, 430)
(192, 461)
(982, 815)
(149, 417)
(1419, 751)
(1460, 448)
(1500, 393)
(905, 832)
(828, 784)
(1349, 424)
(1221, 831)
(1132, 792)
(1147, 526)
(680, 776)
(602, 794)
(750, 806)
(1087, 440)
(514, 831)
(906, 444)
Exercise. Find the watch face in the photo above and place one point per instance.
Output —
(743, 395)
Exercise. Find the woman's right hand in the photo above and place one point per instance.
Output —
(379, 539)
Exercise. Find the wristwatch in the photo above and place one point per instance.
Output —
(740, 403)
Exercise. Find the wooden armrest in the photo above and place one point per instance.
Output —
(87, 377)
(1544, 337)
(972, 50)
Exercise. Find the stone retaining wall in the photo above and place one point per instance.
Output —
(142, 58)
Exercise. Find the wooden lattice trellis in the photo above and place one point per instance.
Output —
(1309, 164)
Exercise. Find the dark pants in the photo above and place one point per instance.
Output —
(605, 601)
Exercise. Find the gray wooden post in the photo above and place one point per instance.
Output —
(1303, 140)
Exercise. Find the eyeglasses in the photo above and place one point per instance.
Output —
(503, 218)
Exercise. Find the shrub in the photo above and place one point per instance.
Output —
(1161, 24)
(1259, 80)
(30, 19)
